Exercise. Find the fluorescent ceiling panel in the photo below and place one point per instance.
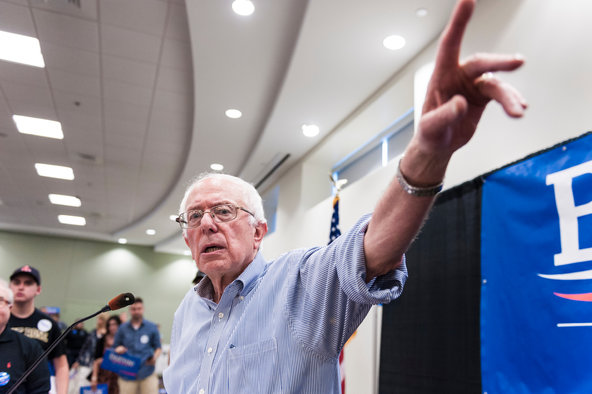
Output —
(37, 126)
(62, 199)
(73, 220)
(20, 49)
(53, 171)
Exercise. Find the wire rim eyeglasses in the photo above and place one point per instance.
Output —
(220, 214)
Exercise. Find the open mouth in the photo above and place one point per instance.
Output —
(211, 249)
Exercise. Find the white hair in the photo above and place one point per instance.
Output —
(4, 285)
(250, 195)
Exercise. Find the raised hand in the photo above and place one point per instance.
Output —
(459, 91)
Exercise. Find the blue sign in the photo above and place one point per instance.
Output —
(122, 364)
(536, 266)
(101, 389)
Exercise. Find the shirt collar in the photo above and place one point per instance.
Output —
(245, 281)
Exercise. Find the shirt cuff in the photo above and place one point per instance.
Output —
(380, 290)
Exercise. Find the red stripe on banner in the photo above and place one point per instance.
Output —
(576, 297)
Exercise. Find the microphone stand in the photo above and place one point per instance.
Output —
(55, 343)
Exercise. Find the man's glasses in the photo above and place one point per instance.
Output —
(4, 301)
(219, 213)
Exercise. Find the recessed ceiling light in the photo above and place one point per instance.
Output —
(421, 12)
(393, 42)
(62, 199)
(52, 171)
(243, 7)
(216, 166)
(20, 49)
(73, 220)
(150, 231)
(310, 130)
(173, 218)
(39, 127)
(122, 241)
(233, 113)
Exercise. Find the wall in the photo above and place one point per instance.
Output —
(554, 38)
(82, 276)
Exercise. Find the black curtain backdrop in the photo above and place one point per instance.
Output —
(430, 335)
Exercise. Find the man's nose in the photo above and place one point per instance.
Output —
(208, 222)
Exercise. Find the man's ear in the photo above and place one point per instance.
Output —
(260, 231)
(38, 290)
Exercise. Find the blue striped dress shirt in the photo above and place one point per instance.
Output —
(279, 327)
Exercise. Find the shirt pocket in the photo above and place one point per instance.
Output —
(254, 368)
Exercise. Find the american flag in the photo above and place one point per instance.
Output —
(333, 234)
(335, 220)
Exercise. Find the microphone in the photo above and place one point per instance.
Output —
(121, 301)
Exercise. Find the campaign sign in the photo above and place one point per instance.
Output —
(122, 364)
(101, 389)
(536, 267)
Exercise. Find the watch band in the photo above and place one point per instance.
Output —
(416, 190)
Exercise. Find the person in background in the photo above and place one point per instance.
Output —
(124, 317)
(252, 326)
(25, 283)
(100, 375)
(18, 353)
(74, 340)
(139, 337)
(54, 313)
(81, 370)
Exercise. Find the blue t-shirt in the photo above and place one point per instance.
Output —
(141, 343)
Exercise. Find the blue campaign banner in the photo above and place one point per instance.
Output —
(122, 364)
(101, 389)
(536, 266)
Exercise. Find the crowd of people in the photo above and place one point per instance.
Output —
(77, 361)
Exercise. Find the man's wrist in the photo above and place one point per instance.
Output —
(419, 191)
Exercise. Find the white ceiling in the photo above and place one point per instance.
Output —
(141, 87)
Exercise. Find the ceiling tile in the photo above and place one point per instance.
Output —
(87, 9)
(144, 16)
(174, 103)
(117, 110)
(16, 19)
(127, 93)
(74, 83)
(74, 105)
(129, 44)
(66, 30)
(20, 73)
(176, 54)
(78, 61)
(29, 100)
(165, 120)
(174, 80)
(129, 71)
(126, 129)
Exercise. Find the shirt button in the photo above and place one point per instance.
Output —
(241, 298)
(220, 315)
(210, 350)
(202, 391)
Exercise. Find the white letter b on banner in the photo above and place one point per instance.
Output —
(569, 214)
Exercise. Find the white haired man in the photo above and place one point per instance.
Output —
(253, 326)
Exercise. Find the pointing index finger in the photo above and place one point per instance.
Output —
(450, 43)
